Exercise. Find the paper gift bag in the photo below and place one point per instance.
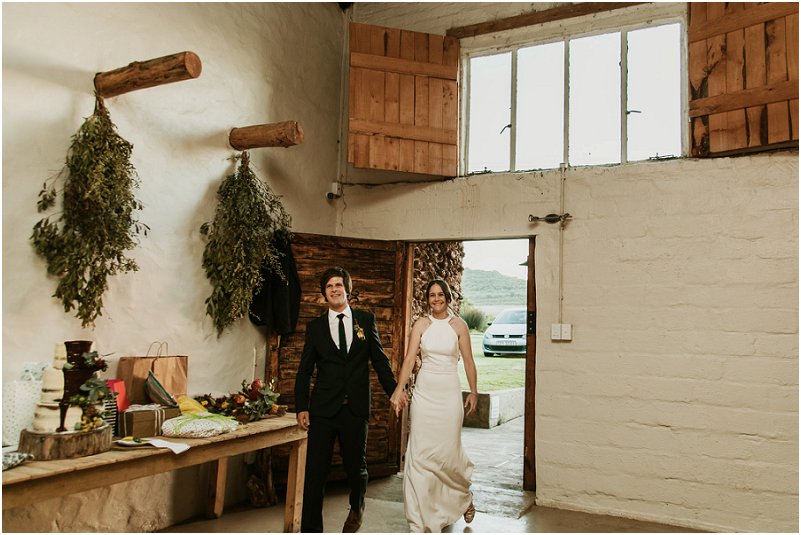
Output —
(170, 370)
(19, 404)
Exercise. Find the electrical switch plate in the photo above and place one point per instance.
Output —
(556, 331)
(567, 331)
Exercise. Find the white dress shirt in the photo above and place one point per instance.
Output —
(333, 325)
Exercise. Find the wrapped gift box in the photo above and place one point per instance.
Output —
(144, 422)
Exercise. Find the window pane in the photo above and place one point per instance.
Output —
(654, 91)
(594, 136)
(490, 112)
(540, 106)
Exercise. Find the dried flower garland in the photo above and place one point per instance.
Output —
(87, 242)
(240, 243)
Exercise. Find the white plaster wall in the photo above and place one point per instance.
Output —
(262, 63)
(677, 400)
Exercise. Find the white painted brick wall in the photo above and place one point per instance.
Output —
(677, 400)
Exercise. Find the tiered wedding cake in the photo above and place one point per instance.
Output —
(46, 418)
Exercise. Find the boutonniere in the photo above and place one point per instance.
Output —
(358, 330)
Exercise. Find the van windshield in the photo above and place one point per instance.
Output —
(511, 316)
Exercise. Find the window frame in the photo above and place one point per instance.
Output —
(623, 21)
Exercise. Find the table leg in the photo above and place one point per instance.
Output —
(294, 486)
(218, 471)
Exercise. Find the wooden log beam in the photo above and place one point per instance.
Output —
(150, 73)
(285, 134)
(537, 17)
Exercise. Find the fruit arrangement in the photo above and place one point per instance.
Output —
(253, 402)
(91, 403)
(90, 419)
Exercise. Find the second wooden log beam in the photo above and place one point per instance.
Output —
(284, 134)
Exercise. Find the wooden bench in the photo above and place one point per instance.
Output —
(34, 481)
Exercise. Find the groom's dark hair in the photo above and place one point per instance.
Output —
(335, 272)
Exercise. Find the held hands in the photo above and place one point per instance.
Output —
(399, 400)
(471, 403)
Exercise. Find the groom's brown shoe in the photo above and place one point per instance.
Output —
(354, 521)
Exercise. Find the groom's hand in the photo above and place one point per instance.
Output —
(303, 420)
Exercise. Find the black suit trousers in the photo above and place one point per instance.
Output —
(351, 432)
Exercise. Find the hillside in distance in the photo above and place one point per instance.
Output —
(490, 288)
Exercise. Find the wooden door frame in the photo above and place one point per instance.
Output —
(529, 458)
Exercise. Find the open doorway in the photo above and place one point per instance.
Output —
(495, 303)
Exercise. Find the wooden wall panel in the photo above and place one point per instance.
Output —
(378, 286)
(755, 78)
(743, 73)
(411, 77)
(792, 69)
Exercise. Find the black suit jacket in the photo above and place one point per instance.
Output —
(338, 377)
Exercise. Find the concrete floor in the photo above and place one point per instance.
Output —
(502, 506)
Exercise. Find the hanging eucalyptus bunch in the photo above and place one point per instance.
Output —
(86, 242)
(240, 243)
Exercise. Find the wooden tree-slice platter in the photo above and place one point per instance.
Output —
(51, 446)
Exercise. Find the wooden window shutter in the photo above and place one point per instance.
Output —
(743, 68)
(403, 101)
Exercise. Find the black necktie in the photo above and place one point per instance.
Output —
(343, 342)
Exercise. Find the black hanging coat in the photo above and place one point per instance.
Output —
(277, 303)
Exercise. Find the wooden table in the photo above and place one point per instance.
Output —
(34, 481)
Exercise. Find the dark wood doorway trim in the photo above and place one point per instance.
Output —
(529, 458)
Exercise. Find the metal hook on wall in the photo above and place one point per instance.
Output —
(550, 218)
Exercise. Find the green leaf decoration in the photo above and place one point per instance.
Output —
(87, 242)
(240, 242)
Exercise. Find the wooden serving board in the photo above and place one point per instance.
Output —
(51, 446)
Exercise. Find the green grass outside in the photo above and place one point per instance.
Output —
(494, 373)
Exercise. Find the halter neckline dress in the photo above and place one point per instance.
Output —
(437, 470)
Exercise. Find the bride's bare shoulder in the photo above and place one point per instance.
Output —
(458, 323)
(421, 323)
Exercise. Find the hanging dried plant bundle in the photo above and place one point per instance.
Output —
(240, 243)
(87, 241)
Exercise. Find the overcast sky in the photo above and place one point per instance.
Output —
(503, 256)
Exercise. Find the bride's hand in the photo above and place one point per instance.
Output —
(471, 403)
(398, 401)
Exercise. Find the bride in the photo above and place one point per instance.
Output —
(437, 471)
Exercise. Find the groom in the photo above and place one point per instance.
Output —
(339, 344)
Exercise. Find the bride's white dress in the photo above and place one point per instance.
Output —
(436, 482)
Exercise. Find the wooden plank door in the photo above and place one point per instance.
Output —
(403, 101)
(743, 72)
(377, 269)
